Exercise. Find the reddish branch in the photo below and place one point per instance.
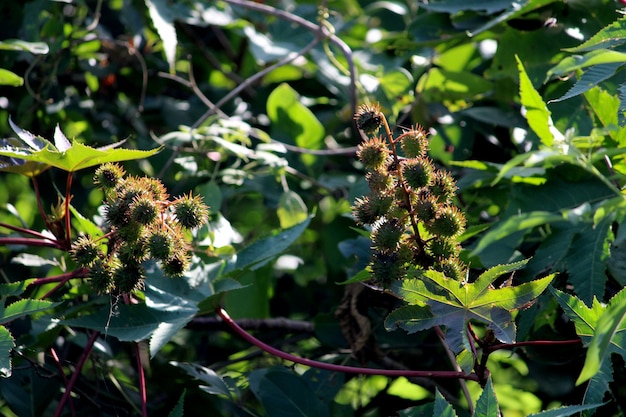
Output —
(79, 366)
(338, 368)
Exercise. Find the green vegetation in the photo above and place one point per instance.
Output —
(344, 208)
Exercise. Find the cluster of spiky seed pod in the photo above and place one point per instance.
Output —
(410, 208)
(143, 224)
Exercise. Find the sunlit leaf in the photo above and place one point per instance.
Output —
(7, 343)
(38, 48)
(163, 20)
(487, 403)
(537, 113)
(10, 78)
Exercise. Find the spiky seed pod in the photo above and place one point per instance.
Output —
(161, 244)
(380, 204)
(386, 234)
(374, 153)
(101, 275)
(362, 211)
(108, 176)
(425, 207)
(443, 187)
(85, 251)
(133, 251)
(379, 180)
(452, 268)
(144, 210)
(131, 231)
(417, 172)
(190, 211)
(449, 221)
(128, 190)
(154, 187)
(369, 118)
(442, 248)
(129, 277)
(414, 143)
(387, 266)
(177, 264)
(116, 214)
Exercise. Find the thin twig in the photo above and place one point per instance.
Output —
(142, 382)
(57, 362)
(290, 17)
(249, 81)
(455, 365)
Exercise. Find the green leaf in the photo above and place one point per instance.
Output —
(607, 327)
(264, 250)
(487, 403)
(178, 409)
(293, 122)
(7, 343)
(589, 79)
(608, 37)
(285, 394)
(440, 84)
(435, 300)
(537, 113)
(442, 407)
(513, 224)
(455, 6)
(10, 78)
(214, 383)
(13, 289)
(37, 48)
(163, 20)
(24, 307)
(587, 259)
(291, 209)
(65, 155)
(597, 57)
(565, 411)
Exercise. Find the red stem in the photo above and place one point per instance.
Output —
(533, 343)
(68, 195)
(24, 230)
(61, 279)
(28, 241)
(42, 212)
(76, 374)
(57, 362)
(142, 383)
(338, 368)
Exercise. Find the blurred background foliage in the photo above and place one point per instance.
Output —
(253, 103)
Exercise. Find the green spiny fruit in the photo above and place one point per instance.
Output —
(374, 153)
(379, 180)
(443, 187)
(425, 207)
(417, 172)
(85, 251)
(176, 265)
(387, 266)
(101, 275)
(449, 221)
(108, 176)
(369, 118)
(414, 143)
(161, 244)
(144, 210)
(442, 248)
(452, 268)
(190, 211)
(129, 277)
(386, 234)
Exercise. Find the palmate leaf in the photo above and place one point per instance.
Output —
(604, 330)
(589, 79)
(63, 154)
(435, 300)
